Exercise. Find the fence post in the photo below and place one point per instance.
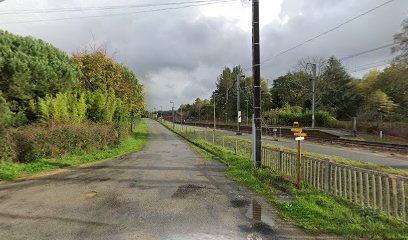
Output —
(387, 196)
(236, 146)
(327, 176)
(403, 210)
(280, 161)
(394, 194)
(223, 142)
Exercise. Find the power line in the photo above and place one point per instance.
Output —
(120, 14)
(52, 10)
(370, 66)
(326, 32)
(368, 51)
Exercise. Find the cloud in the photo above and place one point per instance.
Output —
(178, 54)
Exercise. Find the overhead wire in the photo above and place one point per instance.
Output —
(98, 8)
(118, 14)
(325, 32)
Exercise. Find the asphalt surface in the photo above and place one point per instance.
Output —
(365, 155)
(165, 191)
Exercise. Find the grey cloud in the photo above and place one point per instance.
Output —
(179, 54)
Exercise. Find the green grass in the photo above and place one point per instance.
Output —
(12, 171)
(311, 210)
(346, 161)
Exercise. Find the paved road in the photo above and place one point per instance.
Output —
(377, 157)
(165, 191)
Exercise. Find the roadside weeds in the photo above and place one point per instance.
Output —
(44, 167)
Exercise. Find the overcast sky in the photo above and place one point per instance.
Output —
(178, 54)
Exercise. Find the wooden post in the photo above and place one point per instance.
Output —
(350, 186)
(236, 146)
(394, 195)
(299, 169)
(327, 175)
(367, 188)
(403, 210)
(387, 196)
(340, 182)
(360, 177)
(335, 180)
(355, 186)
(223, 142)
(280, 161)
(345, 182)
(380, 193)
(318, 175)
(374, 189)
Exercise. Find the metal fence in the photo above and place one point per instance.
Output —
(373, 189)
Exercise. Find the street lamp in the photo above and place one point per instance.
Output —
(313, 92)
(172, 112)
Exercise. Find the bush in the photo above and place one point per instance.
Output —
(53, 140)
(7, 148)
(284, 117)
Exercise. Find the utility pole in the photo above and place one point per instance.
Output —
(313, 93)
(172, 112)
(161, 112)
(181, 115)
(238, 104)
(247, 113)
(256, 71)
(214, 108)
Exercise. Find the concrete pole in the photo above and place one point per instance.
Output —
(238, 103)
(172, 112)
(256, 69)
(314, 96)
(214, 109)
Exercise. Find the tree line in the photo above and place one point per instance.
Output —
(41, 88)
(377, 96)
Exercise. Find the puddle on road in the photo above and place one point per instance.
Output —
(184, 191)
(90, 194)
(263, 219)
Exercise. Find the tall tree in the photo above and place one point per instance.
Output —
(31, 68)
(401, 44)
(337, 93)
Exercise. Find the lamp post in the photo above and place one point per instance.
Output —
(313, 92)
(172, 112)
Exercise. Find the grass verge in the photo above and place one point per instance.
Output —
(312, 210)
(12, 171)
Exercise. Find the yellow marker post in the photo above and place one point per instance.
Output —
(300, 136)
(299, 130)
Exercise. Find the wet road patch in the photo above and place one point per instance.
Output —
(239, 203)
(184, 191)
(258, 227)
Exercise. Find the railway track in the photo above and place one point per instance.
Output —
(315, 136)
